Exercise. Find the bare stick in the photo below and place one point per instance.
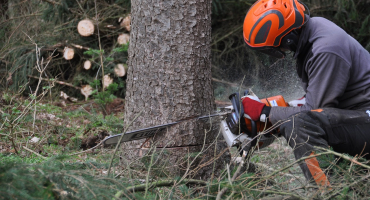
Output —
(351, 185)
(37, 154)
(225, 82)
(52, 2)
(142, 187)
(59, 82)
(119, 141)
(100, 49)
(219, 194)
(227, 35)
(81, 152)
(344, 157)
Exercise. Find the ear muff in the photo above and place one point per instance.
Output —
(290, 41)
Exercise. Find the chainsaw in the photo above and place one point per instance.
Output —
(237, 128)
(240, 131)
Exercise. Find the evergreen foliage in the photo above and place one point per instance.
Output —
(55, 179)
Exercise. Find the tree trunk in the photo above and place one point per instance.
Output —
(169, 77)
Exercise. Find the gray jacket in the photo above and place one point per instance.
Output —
(334, 69)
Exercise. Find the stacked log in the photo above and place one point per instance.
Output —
(120, 70)
(68, 53)
(85, 28)
(87, 64)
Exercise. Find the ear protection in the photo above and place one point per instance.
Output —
(290, 41)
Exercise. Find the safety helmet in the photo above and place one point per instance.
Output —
(269, 21)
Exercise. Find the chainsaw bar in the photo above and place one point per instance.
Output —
(150, 131)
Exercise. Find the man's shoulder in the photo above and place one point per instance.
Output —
(327, 37)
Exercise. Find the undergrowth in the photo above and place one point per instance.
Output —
(64, 177)
(41, 144)
(59, 165)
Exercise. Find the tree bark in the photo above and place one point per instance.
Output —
(169, 75)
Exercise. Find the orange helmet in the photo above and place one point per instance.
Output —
(268, 21)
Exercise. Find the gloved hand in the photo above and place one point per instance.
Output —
(255, 108)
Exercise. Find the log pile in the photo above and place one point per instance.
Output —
(72, 52)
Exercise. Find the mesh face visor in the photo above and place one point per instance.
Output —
(272, 51)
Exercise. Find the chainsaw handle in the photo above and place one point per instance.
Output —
(238, 107)
(253, 132)
(239, 111)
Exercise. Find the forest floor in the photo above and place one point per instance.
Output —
(42, 144)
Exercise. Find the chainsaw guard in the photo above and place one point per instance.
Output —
(242, 140)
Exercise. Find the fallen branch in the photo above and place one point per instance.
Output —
(254, 183)
(163, 183)
(282, 174)
(219, 194)
(37, 154)
(59, 82)
(281, 193)
(119, 141)
(80, 47)
(344, 157)
(350, 185)
(326, 152)
(87, 150)
(52, 2)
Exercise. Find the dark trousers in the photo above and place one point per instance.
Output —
(346, 131)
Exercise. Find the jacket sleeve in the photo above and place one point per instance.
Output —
(328, 75)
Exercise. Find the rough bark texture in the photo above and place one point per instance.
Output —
(169, 75)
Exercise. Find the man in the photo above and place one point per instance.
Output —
(335, 73)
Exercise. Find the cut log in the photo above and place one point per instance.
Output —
(85, 27)
(123, 38)
(63, 95)
(120, 70)
(125, 23)
(107, 80)
(55, 81)
(86, 90)
(69, 53)
(87, 64)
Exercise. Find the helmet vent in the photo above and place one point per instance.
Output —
(285, 4)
